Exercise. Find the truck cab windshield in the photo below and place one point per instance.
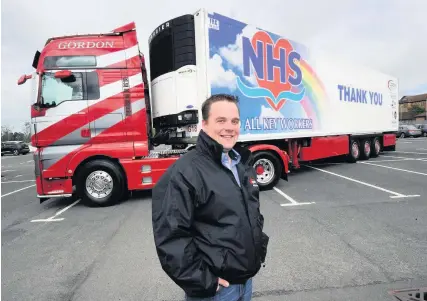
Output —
(55, 90)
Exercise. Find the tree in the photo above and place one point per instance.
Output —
(417, 109)
(6, 133)
(26, 129)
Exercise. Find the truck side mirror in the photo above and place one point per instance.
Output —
(23, 79)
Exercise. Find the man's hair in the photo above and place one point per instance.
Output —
(206, 106)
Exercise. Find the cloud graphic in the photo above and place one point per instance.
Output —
(233, 53)
(267, 112)
(219, 76)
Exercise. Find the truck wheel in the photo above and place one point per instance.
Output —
(100, 183)
(366, 149)
(354, 153)
(268, 169)
(376, 147)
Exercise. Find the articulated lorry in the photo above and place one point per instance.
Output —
(99, 125)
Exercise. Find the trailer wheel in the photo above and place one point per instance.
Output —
(268, 169)
(376, 147)
(354, 153)
(366, 149)
(100, 183)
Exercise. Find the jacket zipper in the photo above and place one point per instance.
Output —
(246, 210)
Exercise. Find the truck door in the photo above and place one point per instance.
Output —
(62, 110)
(106, 111)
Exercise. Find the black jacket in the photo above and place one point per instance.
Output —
(205, 226)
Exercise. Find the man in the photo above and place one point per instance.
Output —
(205, 211)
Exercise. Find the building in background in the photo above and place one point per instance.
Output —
(413, 109)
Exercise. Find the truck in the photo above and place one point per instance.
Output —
(102, 129)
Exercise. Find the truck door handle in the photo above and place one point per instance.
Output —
(85, 133)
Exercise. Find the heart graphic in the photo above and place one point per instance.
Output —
(275, 86)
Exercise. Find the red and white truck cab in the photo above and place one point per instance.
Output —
(91, 118)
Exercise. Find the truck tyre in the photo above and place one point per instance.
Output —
(366, 149)
(100, 183)
(354, 152)
(376, 147)
(268, 168)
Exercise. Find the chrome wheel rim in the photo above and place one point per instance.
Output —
(377, 146)
(99, 184)
(265, 171)
(367, 148)
(355, 150)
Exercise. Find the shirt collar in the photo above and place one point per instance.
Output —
(234, 155)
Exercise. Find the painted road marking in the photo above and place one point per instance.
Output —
(416, 153)
(18, 190)
(415, 159)
(53, 218)
(290, 199)
(22, 181)
(399, 169)
(395, 160)
(394, 194)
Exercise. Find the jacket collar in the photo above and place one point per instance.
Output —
(207, 145)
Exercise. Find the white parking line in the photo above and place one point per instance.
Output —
(8, 170)
(409, 158)
(53, 218)
(399, 169)
(22, 181)
(291, 200)
(395, 160)
(416, 153)
(17, 190)
(394, 194)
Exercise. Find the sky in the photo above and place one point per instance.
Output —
(386, 35)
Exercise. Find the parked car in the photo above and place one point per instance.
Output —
(14, 147)
(408, 130)
(423, 128)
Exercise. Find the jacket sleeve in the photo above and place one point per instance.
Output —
(172, 215)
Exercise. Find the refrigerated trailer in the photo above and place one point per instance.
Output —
(98, 123)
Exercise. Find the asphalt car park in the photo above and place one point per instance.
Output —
(338, 231)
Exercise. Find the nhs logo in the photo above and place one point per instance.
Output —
(213, 23)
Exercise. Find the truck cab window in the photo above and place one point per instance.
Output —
(55, 90)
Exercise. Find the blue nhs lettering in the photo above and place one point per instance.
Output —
(283, 62)
(350, 94)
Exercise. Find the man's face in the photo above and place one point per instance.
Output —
(223, 124)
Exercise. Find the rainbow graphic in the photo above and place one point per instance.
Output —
(315, 99)
(278, 89)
